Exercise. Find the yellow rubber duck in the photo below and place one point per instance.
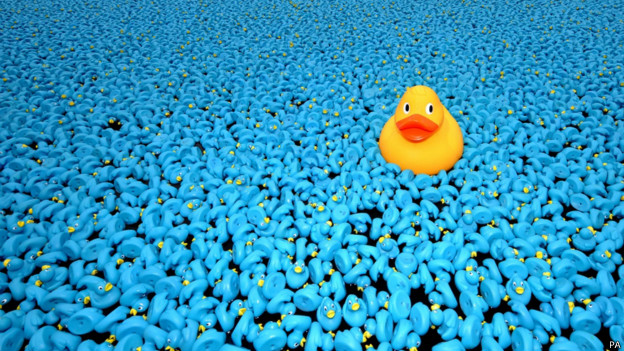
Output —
(422, 135)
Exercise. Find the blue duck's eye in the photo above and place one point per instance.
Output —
(140, 308)
(290, 312)
(521, 283)
(406, 108)
(325, 308)
(350, 302)
(514, 284)
(100, 287)
(429, 108)
(332, 306)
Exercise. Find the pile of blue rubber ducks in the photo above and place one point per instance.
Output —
(205, 176)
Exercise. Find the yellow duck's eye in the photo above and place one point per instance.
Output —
(406, 108)
(429, 108)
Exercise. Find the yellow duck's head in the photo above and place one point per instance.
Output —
(420, 114)
(421, 135)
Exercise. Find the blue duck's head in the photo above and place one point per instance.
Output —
(329, 314)
(363, 282)
(354, 311)
(518, 289)
(383, 298)
(297, 275)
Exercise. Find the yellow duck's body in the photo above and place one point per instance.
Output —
(422, 135)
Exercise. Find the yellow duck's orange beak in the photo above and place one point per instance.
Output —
(417, 128)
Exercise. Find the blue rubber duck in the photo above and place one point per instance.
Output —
(601, 258)
(102, 294)
(329, 314)
(383, 299)
(201, 312)
(259, 275)
(354, 311)
(297, 275)
(388, 246)
(271, 338)
(17, 268)
(5, 298)
(363, 282)
(53, 277)
(518, 289)
(467, 280)
(548, 282)
(296, 339)
(226, 315)
(312, 250)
